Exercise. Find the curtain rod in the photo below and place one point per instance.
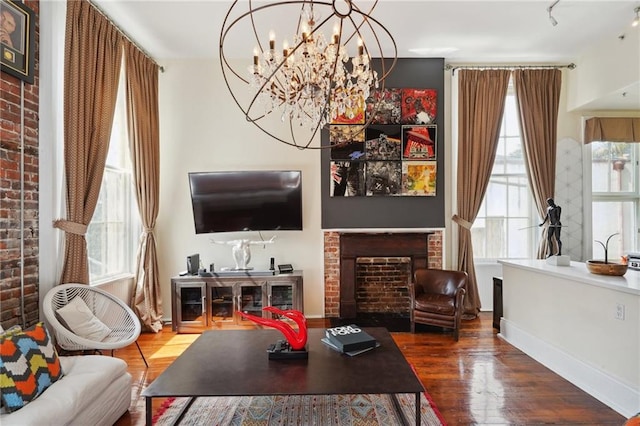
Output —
(125, 35)
(506, 67)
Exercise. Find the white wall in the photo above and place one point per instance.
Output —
(607, 69)
(50, 145)
(201, 129)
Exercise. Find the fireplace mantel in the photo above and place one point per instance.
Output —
(413, 245)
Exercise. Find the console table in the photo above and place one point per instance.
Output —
(199, 303)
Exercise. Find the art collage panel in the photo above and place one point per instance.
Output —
(395, 155)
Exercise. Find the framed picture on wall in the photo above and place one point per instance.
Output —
(17, 40)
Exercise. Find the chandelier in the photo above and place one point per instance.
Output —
(297, 89)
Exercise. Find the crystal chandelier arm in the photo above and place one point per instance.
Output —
(368, 19)
(314, 83)
(223, 35)
(356, 9)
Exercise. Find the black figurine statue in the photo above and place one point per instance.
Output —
(555, 226)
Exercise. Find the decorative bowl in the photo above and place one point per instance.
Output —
(601, 268)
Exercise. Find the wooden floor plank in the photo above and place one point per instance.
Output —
(479, 380)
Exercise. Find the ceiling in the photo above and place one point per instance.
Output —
(463, 32)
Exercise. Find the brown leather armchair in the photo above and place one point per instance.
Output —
(437, 298)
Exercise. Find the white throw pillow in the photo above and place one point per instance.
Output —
(81, 320)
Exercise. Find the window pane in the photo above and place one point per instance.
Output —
(613, 167)
(614, 174)
(496, 197)
(511, 125)
(110, 236)
(520, 238)
(496, 236)
(515, 157)
(500, 160)
(600, 176)
(478, 232)
(610, 217)
(520, 201)
(502, 228)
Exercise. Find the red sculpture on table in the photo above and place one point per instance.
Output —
(297, 339)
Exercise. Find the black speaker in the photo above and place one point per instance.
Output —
(272, 266)
(193, 264)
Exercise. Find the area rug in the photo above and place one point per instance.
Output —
(285, 410)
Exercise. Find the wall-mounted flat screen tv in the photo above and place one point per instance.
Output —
(231, 201)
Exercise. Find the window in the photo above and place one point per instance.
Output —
(503, 227)
(615, 197)
(112, 233)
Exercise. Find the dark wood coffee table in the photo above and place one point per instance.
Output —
(235, 363)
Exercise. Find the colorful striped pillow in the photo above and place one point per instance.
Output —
(29, 364)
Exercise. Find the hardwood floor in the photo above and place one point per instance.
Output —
(479, 380)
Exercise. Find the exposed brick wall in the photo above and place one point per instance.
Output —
(10, 193)
(331, 274)
(332, 268)
(383, 285)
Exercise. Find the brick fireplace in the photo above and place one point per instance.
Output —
(376, 265)
(382, 285)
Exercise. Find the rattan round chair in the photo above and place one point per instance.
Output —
(111, 311)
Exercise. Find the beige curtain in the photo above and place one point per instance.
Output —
(93, 56)
(537, 98)
(481, 105)
(612, 129)
(144, 138)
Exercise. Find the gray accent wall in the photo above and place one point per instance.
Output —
(395, 211)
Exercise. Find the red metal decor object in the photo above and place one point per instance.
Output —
(297, 338)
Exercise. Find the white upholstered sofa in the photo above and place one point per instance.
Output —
(95, 390)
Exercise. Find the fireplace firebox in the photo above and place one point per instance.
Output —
(412, 245)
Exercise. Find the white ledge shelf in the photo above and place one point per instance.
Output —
(577, 271)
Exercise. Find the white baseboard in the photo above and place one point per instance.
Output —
(597, 383)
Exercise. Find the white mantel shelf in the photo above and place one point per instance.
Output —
(583, 326)
(577, 271)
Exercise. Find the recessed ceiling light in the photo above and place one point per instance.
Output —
(433, 50)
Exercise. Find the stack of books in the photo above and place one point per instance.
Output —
(349, 339)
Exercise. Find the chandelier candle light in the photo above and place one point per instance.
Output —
(312, 82)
